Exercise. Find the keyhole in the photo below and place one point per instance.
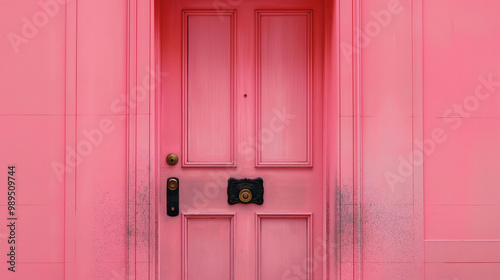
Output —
(172, 160)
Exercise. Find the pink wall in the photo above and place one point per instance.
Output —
(409, 210)
(461, 194)
(32, 121)
(60, 76)
(76, 124)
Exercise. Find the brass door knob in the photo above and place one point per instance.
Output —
(172, 159)
(245, 195)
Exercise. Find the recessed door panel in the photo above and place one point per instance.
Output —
(284, 88)
(208, 88)
(208, 247)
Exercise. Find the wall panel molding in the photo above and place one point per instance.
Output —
(143, 73)
(132, 137)
(417, 131)
(357, 140)
(70, 141)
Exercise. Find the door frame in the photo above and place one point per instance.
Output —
(341, 137)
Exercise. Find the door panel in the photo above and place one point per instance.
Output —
(242, 99)
(208, 88)
(284, 88)
(283, 240)
(208, 246)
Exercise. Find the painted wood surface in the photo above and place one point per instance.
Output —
(412, 87)
(276, 51)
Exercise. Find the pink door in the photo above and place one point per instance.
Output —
(242, 99)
